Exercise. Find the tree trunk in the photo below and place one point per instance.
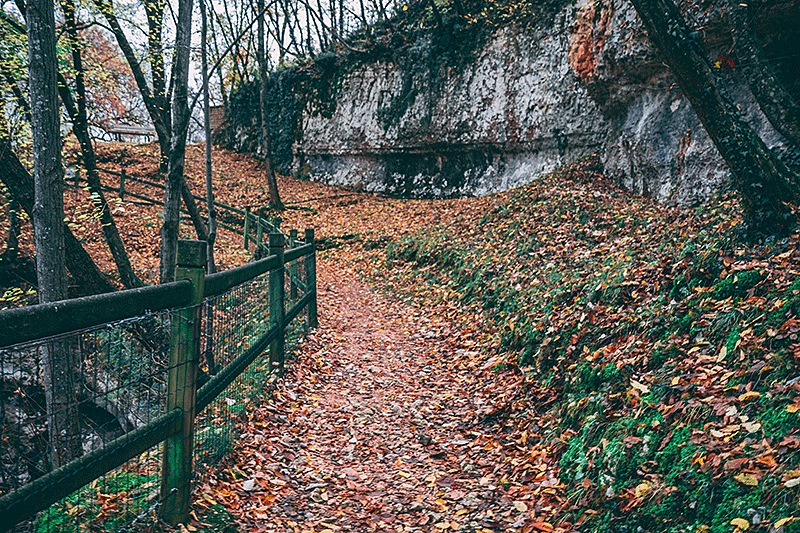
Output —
(80, 126)
(156, 101)
(88, 278)
(274, 196)
(48, 225)
(212, 210)
(774, 100)
(177, 149)
(762, 180)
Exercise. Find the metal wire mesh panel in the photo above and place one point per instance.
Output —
(233, 322)
(65, 397)
(83, 415)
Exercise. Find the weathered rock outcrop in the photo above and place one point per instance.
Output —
(530, 100)
(514, 112)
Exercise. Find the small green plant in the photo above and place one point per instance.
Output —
(107, 504)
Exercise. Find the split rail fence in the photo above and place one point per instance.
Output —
(251, 222)
(172, 363)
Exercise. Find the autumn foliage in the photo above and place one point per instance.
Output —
(561, 357)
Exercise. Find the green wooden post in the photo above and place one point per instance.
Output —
(246, 226)
(259, 230)
(176, 466)
(276, 301)
(294, 268)
(311, 280)
(122, 185)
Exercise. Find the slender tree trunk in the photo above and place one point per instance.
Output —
(762, 180)
(177, 154)
(274, 196)
(48, 226)
(774, 100)
(80, 126)
(156, 102)
(88, 278)
(212, 210)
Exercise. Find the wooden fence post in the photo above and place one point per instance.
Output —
(276, 301)
(122, 185)
(294, 269)
(176, 469)
(246, 226)
(311, 280)
(259, 230)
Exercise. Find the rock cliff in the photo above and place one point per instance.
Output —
(583, 79)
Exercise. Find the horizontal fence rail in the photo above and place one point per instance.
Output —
(164, 364)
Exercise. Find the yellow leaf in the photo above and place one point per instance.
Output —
(793, 408)
(640, 386)
(675, 381)
(723, 353)
(792, 483)
(741, 523)
(520, 506)
(642, 489)
(751, 427)
(747, 396)
(746, 479)
(404, 474)
(783, 521)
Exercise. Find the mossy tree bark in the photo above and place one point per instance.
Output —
(48, 226)
(766, 186)
(774, 100)
(156, 101)
(76, 109)
(170, 229)
(85, 274)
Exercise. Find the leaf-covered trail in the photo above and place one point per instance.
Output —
(373, 429)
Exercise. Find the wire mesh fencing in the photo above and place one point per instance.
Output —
(234, 322)
(83, 413)
(91, 387)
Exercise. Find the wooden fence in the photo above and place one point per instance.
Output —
(250, 221)
(184, 400)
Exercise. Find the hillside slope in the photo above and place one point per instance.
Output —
(658, 357)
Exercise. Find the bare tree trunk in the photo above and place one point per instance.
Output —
(212, 210)
(764, 183)
(48, 227)
(177, 150)
(89, 278)
(274, 196)
(774, 100)
(155, 102)
(80, 126)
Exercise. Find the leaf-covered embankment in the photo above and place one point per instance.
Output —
(664, 351)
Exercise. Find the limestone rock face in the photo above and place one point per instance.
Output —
(515, 112)
(588, 80)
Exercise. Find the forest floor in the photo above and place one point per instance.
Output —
(564, 356)
(374, 428)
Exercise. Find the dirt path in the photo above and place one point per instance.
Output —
(374, 429)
